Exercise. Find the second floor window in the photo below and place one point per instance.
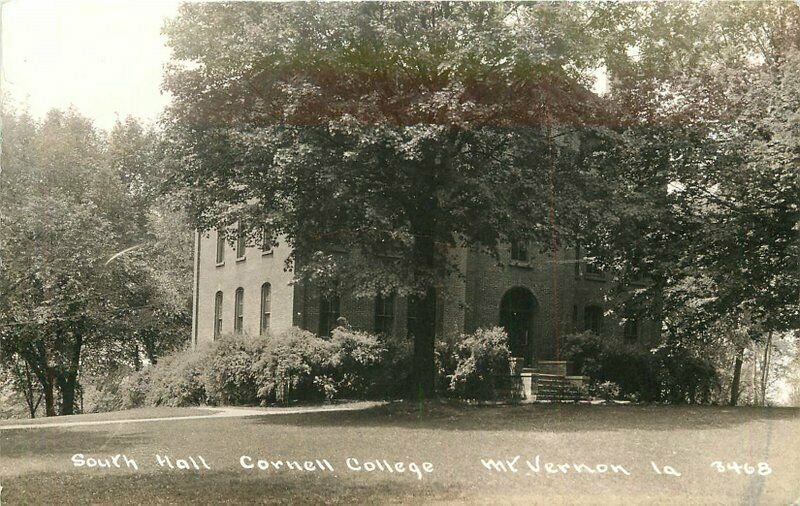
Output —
(519, 251)
(266, 241)
(217, 315)
(384, 314)
(220, 247)
(241, 242)
(328, 314)
(266, 306)
(238, 311)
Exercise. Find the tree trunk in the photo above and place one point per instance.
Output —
(68, 380)
(737, 376)
(49, 398)
(424, 365)
(765, 368)
(66, 383)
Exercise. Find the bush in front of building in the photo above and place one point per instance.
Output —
(356, 362)
(228, 376)
(668, 374)
(482, 366)
(178, 380)
(289, 364)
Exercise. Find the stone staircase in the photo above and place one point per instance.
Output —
(548, 382)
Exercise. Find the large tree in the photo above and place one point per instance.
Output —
(393, 131)
(91, 274)
(707, 178)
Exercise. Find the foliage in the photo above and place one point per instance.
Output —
(177, 380)
(228, 376)
(356, 362)
(72, 306)
(606, 390)
(667, 374)
(383, 129)
(134, 387)
(290, 363)
(482, 371)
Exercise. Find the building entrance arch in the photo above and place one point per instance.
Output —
(517, 313)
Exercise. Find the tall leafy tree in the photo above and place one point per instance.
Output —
(707, 175)
(393, 131)
(92, 272)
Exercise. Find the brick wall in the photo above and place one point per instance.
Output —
(248, 273)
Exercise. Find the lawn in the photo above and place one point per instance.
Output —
(447, 444)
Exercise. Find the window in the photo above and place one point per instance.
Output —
(217, 315)
(384, 314)
(593, 319)
(575, 317)
(266, 306)
(238, 311)
(519, 251)
(630, 331)
(413, 314)
(241, 242)
(593, 269)
(328, 314)
(220, 247)
(266, 241)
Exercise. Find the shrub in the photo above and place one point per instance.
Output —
(177, 380)
(133, 389)
(607, 390)
(393, 378)
(482, 371)
(228, 375)
(671, 374)
(446, 357)
(356, 361)
(684, 377)
(289, 364)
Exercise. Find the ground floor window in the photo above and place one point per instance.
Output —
(631, 331)
(593, 319)
(238, 311)
(217, 315)
(384, 314)
(328, 314)
(266, 306)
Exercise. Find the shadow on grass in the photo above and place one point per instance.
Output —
(54, 442)
(537, 417)
(215, 488)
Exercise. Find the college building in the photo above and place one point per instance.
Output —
(535, 297)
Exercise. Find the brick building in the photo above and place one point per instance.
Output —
(245, 289)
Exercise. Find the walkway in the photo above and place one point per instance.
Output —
(217, 412)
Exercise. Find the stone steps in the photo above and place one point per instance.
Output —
(543, 387)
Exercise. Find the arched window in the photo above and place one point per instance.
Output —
(328, 314)
(241, 242)
(266, 306)
(217, 315)
(220, 247)
(413, 314)
(238, 311)
(384, 314)
(593, 319)
(630, 330)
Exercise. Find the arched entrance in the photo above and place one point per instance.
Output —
(517, 309)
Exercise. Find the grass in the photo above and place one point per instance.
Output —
(35, 466)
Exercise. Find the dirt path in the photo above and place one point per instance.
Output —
(215, 412)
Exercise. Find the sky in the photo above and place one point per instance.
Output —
(104, 57)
